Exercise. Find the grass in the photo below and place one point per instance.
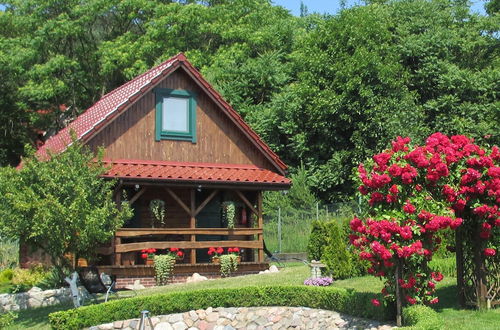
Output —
(295, 273)
(294, 234)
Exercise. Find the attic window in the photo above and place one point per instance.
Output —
(175, 115)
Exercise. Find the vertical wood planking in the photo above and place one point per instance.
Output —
(131, 135)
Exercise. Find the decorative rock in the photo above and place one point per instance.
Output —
(272, 318)
(174, 318)
(273, 269)
(107, 326)
(179, 326)
(162, 326)
(196, 278)
(136, 286)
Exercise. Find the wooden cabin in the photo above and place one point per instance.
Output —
(171, 140)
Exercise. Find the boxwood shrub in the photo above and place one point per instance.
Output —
(422, 317)
(330, 298)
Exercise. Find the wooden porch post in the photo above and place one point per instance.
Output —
(261, 227)
(117, 257)
(192, 225)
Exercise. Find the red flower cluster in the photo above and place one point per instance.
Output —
(148, 253)
(176, 252)
(234, 250)
(409, 189)
(212, 251)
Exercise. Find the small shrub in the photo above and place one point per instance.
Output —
(164, 264)
(329, 242)
(6, 275)
(422, 317)
(7, 319)
(228, 264)
(336, 256)
(25, 279)
(317, 240)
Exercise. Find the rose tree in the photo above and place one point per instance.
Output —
(413, 193)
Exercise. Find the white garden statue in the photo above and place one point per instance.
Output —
(74, 288)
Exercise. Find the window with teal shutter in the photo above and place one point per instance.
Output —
(175, 115)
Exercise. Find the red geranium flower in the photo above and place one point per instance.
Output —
(375, 302)
(489, 252)
(144, 256)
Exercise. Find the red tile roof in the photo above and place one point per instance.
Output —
(110, 105)
(193, 172)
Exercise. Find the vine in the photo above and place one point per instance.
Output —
(229, 213)
(164, 264)
(157, 208)
(228, 264)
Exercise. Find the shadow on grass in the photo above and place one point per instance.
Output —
(448, 297)
(37, 318)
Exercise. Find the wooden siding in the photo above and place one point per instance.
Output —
(132, 134)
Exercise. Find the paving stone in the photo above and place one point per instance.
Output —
(212, 317)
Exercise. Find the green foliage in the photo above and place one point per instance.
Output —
(9, 253)
(6, 275)
(323, 91)
(164, 264)
(228, 264)
(229, 213)
(60, 205)
(317, 240)
(7, 319)
(422, 317)
(329, 243)
(23, 279)
(330, 298)
(447, 266)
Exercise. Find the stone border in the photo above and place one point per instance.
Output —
(252, 318)
(34, 298)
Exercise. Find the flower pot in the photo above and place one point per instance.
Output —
(82, 262)
(215, 260)
(238, 260)
(150, 262)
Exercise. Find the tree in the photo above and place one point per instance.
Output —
(361, 77)
(60, 205)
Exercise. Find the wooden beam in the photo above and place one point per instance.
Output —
(178, 200)
(130, 247)
(260, 226)
(192, 225)
(205, 202)
(117, 255)
(134, 232)
(137, 195)
(245, 200)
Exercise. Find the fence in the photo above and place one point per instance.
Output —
(287, 230)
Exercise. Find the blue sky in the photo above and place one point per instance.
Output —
(332, 6)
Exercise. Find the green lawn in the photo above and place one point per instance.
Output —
(454, 317)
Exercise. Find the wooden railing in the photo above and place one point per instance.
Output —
(119, 247)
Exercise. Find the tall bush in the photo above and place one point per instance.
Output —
(329, 243)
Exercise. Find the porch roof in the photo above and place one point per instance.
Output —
(186, 172)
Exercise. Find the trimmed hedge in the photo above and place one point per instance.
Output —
(422, 317)
(330, 298)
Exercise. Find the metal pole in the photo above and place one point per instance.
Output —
(279, 229)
